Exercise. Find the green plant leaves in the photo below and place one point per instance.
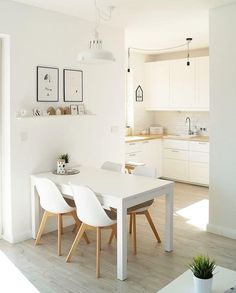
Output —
(202, 267)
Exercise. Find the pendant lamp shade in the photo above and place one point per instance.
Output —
(95, 55)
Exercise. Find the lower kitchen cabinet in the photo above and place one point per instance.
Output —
(175, 169)
(199, 173)
(148, 152)
(186, 161)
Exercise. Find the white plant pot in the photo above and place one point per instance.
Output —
(202, 285)
(61, 167)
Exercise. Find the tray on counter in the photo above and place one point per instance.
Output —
(68, 172)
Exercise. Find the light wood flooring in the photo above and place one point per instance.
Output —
(148, 271)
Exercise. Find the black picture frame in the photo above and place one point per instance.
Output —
(47, 84)
(72, 85)
(139, 94)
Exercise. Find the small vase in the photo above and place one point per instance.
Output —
(202, 285)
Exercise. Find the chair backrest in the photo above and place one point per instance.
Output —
(51, 198)
(145, 171)
(112, 166)
(89, 208)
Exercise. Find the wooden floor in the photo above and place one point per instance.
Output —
(148, 271)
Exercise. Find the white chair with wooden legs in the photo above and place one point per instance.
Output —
(54, 204)
(111, 166)
(93, 217)
(141, 209)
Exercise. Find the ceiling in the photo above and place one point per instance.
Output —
(148, 23)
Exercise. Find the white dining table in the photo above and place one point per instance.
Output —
(116, 190)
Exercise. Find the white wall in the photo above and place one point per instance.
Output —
(40, 37)
(0, 138)
(222, 121)
(141, 118)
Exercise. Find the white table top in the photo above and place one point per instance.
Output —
(109, 183)
(222, 281)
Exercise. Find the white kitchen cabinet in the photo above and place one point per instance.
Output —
(202, 83)
(175, 159)
(172, 85)
(157, 85)
(148, 152)
(182, 84)
(186, 161)
(199, 162)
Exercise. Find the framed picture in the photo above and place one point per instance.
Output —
(73, 85)
(139, 94)
(47, 84)
(74, 109)
(81, 109)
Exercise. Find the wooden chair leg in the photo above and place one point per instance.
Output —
(41, 227)
(134, 233)
(59, 225)
(147, 214)
(76, 242)
(62, 229)
(98, 252)
(78, 225)
(111, 237)
(130, 223)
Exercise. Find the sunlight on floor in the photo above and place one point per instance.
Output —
(197, 214)
(12, 280)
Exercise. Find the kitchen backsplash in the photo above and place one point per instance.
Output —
(174, 122)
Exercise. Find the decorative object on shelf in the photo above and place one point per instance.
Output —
(37, 112)
(59, 112)
(61, 166)
(74, 109)
(51, 111)
(95, 53)
(23, 112)
(67, 172)
(139, 94)
(203, 268)
(81, 109)
(73, 85)
(66, 110)
(47, 84)
(152, 51)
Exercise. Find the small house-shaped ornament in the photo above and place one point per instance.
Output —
(139, 94)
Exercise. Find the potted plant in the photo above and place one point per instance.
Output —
(202, 267)
(64, 157)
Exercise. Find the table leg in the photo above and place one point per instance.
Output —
(169, 219)
(121, 242)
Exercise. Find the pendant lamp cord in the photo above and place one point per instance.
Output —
(188, 41)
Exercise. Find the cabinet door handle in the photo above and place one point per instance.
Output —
(202, 143)
(132, 143)
(175, 151)
(146, 141)
(132, 155)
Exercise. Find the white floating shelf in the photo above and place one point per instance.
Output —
(53, 116)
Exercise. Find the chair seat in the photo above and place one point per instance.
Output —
(140, 207)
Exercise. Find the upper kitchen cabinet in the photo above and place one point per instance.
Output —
(157, 85)
(202, 82)
(172, 85)
(182, 84)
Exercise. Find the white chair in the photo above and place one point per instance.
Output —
(93, 217)
(111, 166)
(53, 204)
(141, 209)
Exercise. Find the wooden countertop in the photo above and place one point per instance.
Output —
(136, 138)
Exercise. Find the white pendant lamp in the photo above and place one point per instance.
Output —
(96, 54)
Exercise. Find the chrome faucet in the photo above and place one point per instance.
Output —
(188, 120)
